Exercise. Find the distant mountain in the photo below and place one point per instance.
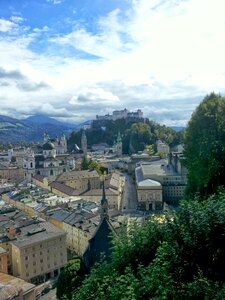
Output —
(14, 130)
(177, 128)
(43, 119)
(82, 125)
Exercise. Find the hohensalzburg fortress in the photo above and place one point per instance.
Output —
(122, 114)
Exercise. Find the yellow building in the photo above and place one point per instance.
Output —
(12, 173)
(172, 180)
(80, 180)
(149, 194)
(39, 252)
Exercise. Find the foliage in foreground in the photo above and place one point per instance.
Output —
(179, 258)
(204, 146)
(70, 278)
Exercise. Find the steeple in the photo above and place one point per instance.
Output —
(84, 142)
(46, 137)
(104, 203)
(119, 139)
(119, 145)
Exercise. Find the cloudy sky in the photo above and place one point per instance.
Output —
(73, 59)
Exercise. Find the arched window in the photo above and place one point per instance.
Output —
(51, 172)
(31, 165)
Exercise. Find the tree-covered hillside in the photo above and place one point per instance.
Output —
(135, 135)
(178, 256)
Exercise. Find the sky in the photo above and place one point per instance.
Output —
(73, 59)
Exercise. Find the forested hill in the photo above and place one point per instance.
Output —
(135, 135)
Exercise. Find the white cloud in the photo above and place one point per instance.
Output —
(6, 25)
(156, 50)
(55, 1)
(17, 19)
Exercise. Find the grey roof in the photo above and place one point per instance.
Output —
(65, 189)
(98, 192)
(39, 157)
(157, 169)
(77, 174)
(46, 231)
(48, 146)
(59, 214)
(39, 178)
(79, 217)
(149, 183)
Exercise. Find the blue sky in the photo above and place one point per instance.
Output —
(75, 59)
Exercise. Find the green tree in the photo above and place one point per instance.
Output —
(84, 163)
(180, 256)
(204, 146)
(70, 279)
(94, 165)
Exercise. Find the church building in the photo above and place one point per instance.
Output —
(53, 160)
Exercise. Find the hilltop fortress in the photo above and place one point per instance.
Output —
(121, 114)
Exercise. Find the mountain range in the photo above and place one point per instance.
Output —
(33, 128)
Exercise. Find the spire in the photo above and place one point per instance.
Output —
(104, 203)
(119, 139)
(63, 137)
(46, 137)
(84, 142)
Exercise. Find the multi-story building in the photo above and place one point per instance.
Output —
(38, 252)
(80, 180)
(172, 177)
(11, 173)
(52, 161)
(149, 193)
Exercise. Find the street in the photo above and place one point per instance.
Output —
(129, 199)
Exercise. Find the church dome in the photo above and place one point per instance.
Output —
(48, 146)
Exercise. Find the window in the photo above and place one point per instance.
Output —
(26, 257)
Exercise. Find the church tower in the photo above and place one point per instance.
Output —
(104, 203)
(63, 144)
(119, 145)
(84, 142)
